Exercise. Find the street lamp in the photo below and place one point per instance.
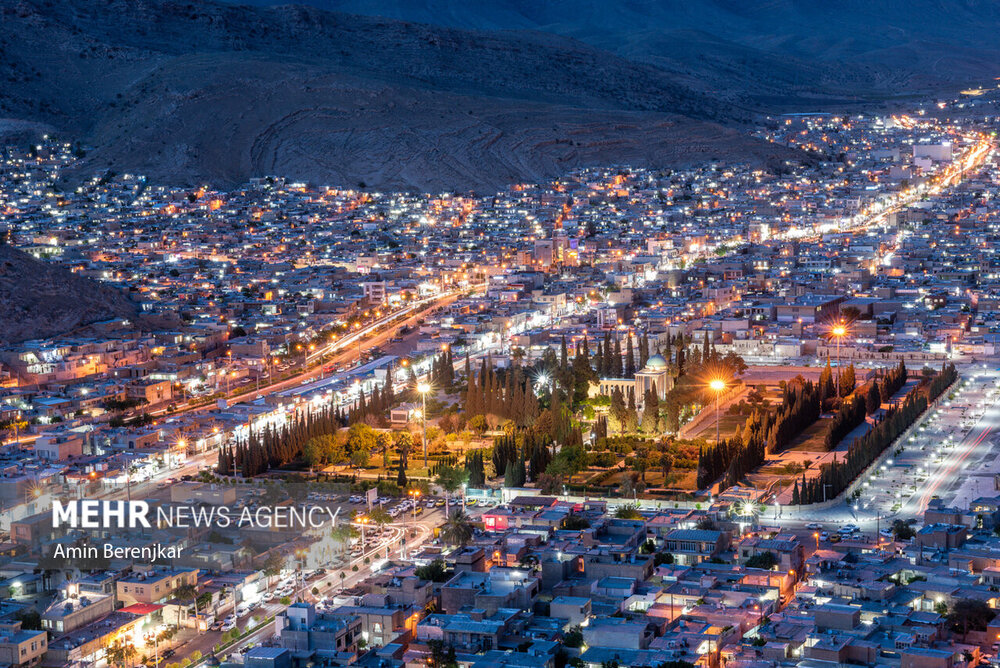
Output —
(838, 332)
(542, 381)
(717, 385)
(465, 486)
(423, 389)
(415, 495)
(748, 509)
(363, 521)
(301, 555)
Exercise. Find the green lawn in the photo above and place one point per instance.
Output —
(728, 424)
(812, 439)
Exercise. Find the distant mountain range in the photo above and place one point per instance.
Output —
(459, 94)
(767, 52)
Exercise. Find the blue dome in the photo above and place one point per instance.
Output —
(656, 362)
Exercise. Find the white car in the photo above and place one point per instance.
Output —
(814, 525)
(228, 626)
(268, 595)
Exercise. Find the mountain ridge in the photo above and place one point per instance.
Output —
(214, 92)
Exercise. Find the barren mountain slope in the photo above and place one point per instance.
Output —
(204, 92)
(762, 52)
(41, 299)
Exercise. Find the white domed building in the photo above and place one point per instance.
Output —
(654, 376)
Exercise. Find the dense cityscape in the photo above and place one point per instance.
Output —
(717, 415)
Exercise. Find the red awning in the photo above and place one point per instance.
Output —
(141, 608)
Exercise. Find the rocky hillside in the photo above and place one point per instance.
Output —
(462, 94)
(190, 92)
(41, 299)
(764, 53)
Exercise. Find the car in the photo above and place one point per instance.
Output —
(886, 533)
(167, 653)
(835, 538)
(268, 595)
(228, 626)
(824, 536)
(215, 625)
(814, 525)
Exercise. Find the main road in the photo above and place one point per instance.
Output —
(340, 351)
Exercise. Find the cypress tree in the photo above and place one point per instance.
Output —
(616, 359)
(629, 358)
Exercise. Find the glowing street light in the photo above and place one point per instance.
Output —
(363, 521)
(838, 331)
(717, 385)
(542, 381)
(747, 510)
(423, 388)
(415, 495)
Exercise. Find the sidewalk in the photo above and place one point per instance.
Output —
(708, 413)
